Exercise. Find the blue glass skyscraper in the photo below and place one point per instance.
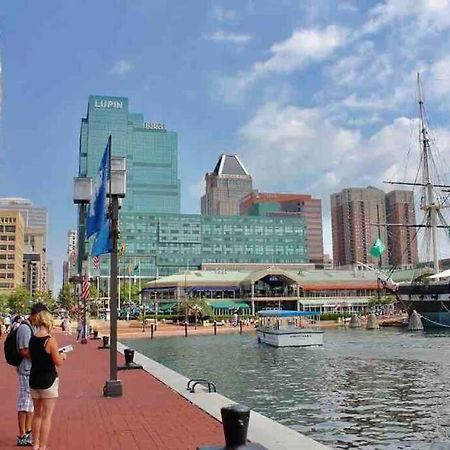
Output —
(151, 154)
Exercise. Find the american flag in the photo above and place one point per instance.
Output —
(96, 262)
(85, 289)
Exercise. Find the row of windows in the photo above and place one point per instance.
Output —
(7, 220)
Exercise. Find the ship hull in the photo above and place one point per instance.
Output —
(431, 301)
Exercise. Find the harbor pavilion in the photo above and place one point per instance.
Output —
(250, 291)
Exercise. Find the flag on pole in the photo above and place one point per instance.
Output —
(98, 204)
(85, 289)
(96, 262)
(103, 242)
(136, 269)
(377, 248)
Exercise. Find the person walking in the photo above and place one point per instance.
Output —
(44, 381)
(24, 402)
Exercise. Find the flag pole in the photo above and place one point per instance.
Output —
(113, 387)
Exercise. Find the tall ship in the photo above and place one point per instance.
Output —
(428, 293)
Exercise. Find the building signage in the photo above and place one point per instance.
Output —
(114, 104)
(154, 126)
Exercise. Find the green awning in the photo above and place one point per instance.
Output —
(227, 304)
(164, 307)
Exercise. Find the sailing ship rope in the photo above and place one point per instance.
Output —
(442, 304)
(433, 322)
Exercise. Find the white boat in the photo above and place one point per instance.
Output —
(284, 328)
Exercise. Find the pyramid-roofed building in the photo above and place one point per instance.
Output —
(226, 186)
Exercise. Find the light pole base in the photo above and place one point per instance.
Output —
(112, 388)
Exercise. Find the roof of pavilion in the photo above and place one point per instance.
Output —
(307, 279)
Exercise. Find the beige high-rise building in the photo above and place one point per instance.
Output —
(355, 213)
(11, 250)
(35, 221)
(225, 187)
(402, 241)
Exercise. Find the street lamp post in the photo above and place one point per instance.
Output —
(117, 189)
(81, 197)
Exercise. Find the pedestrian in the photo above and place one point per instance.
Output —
(44, 381)
(7, 322)
(24, 402)
(66, 325)
(80, 325)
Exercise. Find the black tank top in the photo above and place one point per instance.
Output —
(43, 371)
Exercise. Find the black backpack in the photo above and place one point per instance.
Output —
(12, 355)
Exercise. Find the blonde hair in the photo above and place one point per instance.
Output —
(44, 319)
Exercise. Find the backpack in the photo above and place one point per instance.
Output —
(12, 355)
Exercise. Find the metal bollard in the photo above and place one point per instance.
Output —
(105, 343)
(129, 356)
(215, 328)
(185, 329)
(235, 419)
(151, 331)
(240, 327)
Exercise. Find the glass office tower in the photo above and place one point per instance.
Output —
(151, 154)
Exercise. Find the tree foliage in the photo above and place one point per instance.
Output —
(20, 301)
(66, 297)
(191, 307)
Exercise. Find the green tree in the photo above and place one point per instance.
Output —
(46, 298)
(19, 301)
(66, 297)
(194, 307)
(125, 292)
(3, 303)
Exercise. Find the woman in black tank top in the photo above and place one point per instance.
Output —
(44, 380)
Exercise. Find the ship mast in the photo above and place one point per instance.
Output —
(430, 206)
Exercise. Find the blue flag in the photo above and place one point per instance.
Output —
(98, 205)
(102, 243)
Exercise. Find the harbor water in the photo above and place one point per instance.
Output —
(379, 389)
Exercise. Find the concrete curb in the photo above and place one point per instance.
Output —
(262, 430)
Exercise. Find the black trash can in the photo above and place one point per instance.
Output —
(129, 356)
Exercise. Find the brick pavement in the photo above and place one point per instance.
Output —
(149, 415)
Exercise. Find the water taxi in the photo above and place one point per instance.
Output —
(284, 328)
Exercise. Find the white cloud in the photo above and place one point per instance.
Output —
(121, 68)
(222, 14)
(234, 38)
(303, 47)
(289, 148)
(431, 15)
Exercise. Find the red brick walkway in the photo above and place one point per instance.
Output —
(148, 416)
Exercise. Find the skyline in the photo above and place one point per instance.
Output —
(228, 79)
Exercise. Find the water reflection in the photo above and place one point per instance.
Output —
(381, 389)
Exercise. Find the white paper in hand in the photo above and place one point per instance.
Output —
(66, 349)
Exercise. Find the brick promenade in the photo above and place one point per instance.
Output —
(148, 416)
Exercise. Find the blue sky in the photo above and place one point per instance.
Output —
(313, 95)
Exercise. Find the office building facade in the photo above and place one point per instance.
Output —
(355, 213)
(151, 153)
(35, 221)
(290, 205)
(402, 241)
(12, 233)
(225, 187)
(180, 241)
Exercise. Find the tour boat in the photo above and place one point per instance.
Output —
(284, 328)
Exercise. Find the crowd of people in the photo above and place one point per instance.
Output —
(33, 350)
